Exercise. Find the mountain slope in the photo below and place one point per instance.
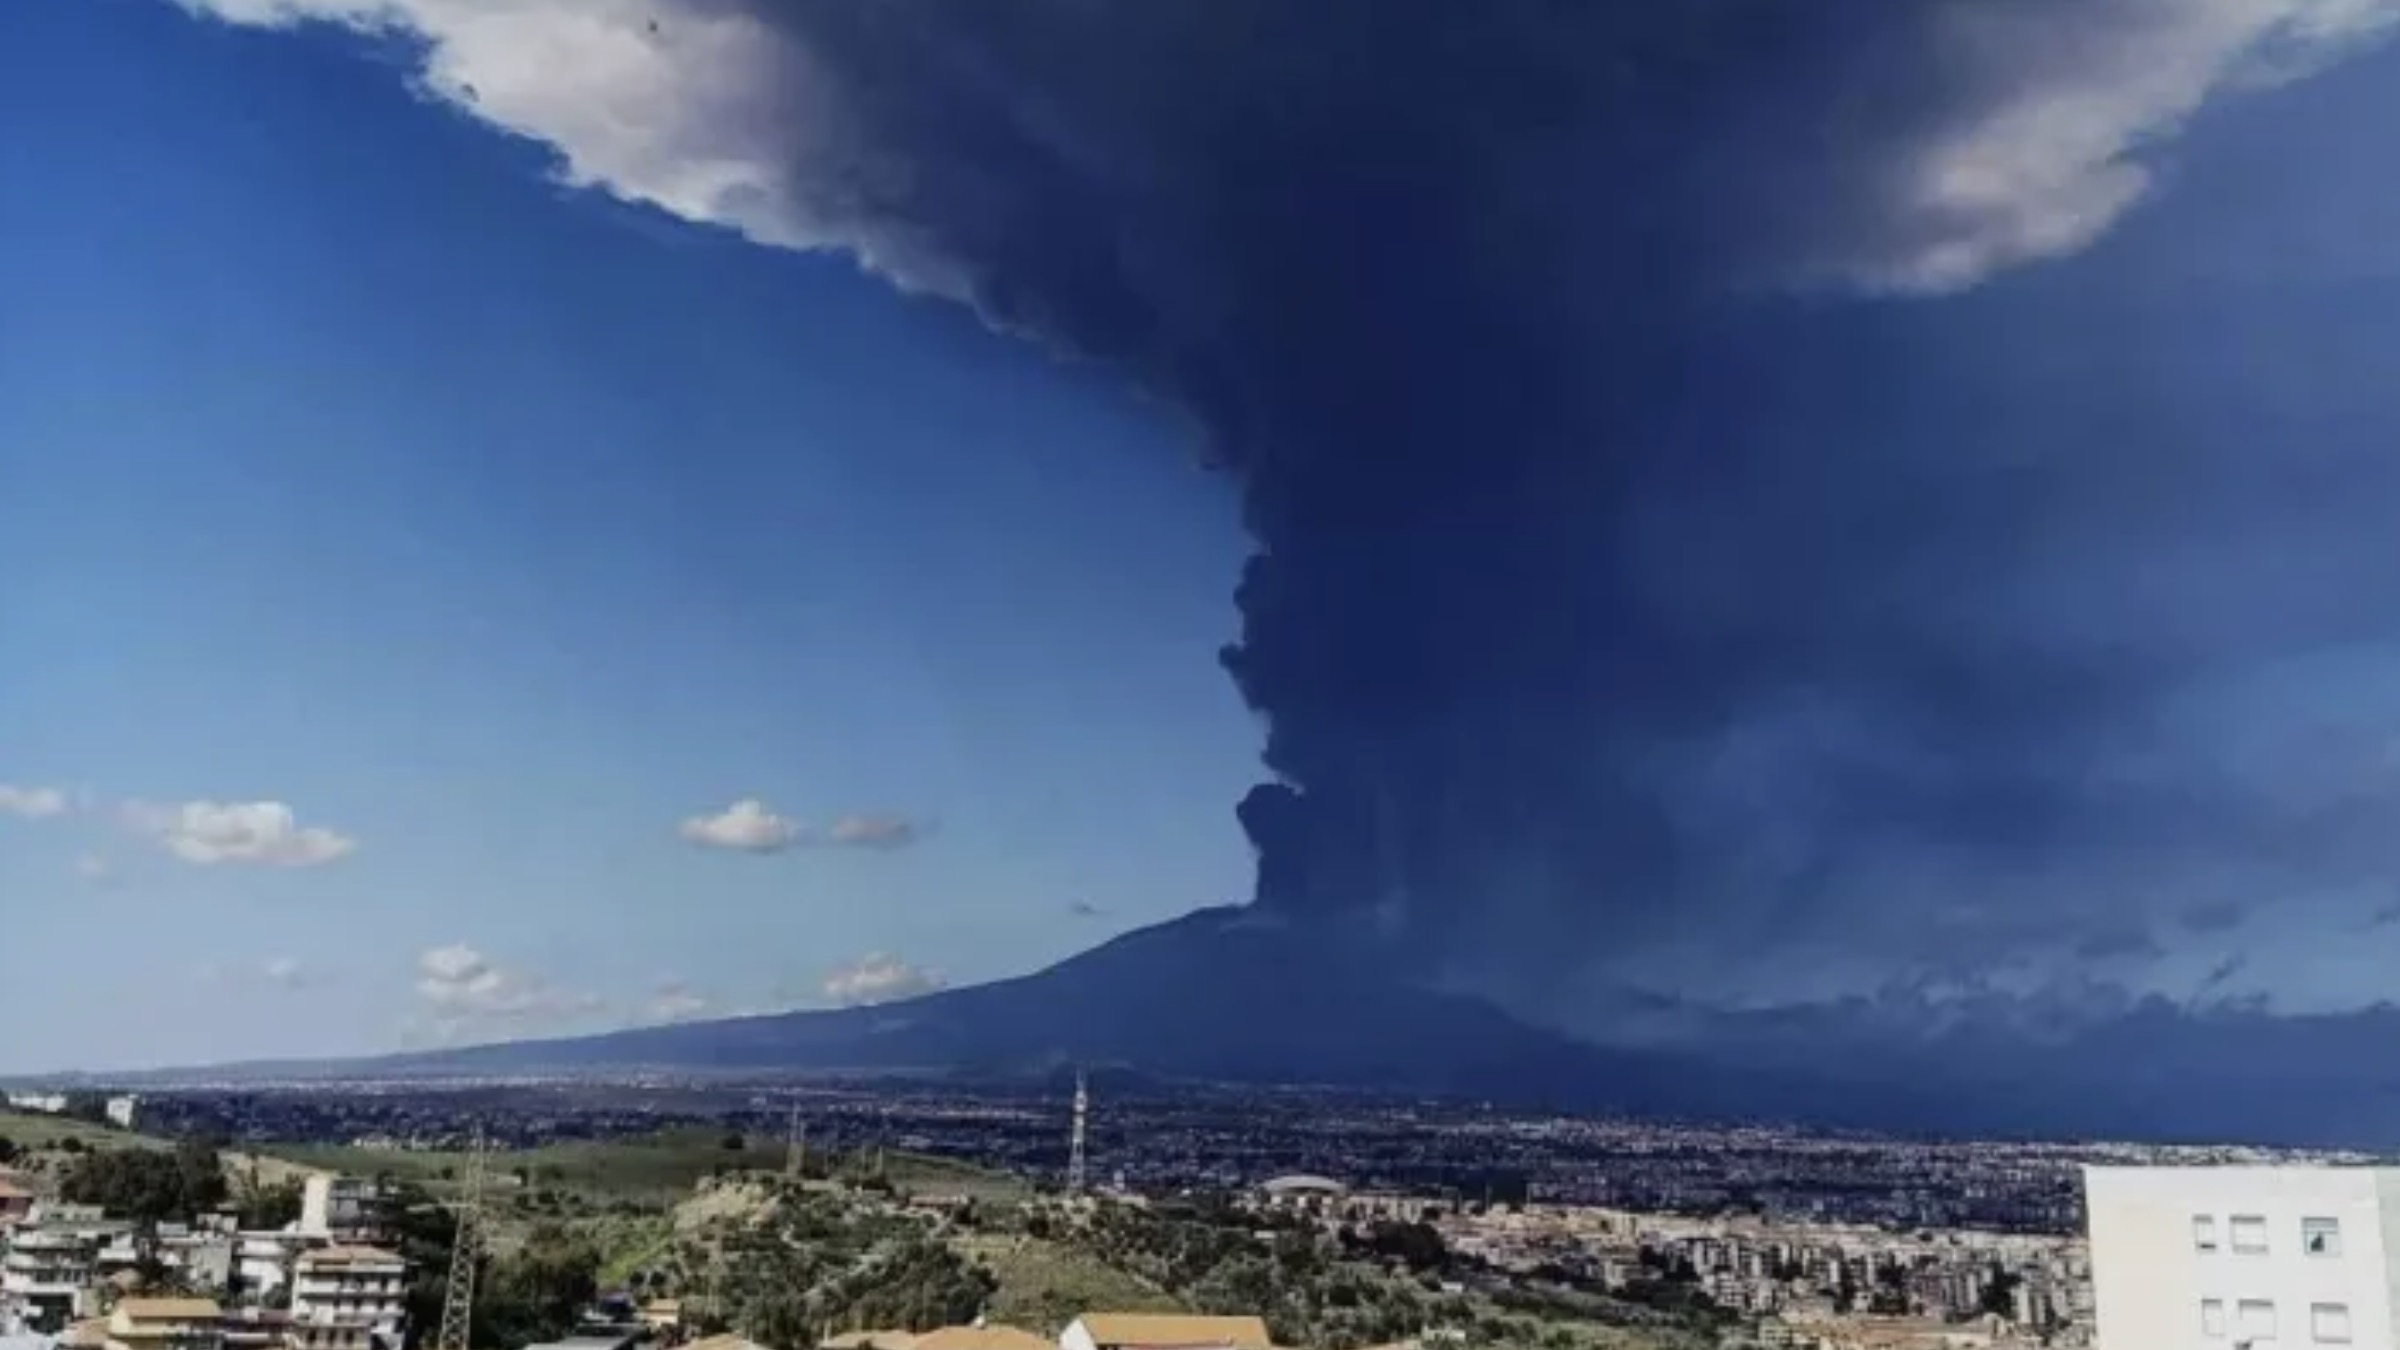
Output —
(1215, 995)
(1227, 995)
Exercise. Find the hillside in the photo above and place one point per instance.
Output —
(1215, 995)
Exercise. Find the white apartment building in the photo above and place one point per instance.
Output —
(348, 1298)
(50, 1264)
(2244, 1258)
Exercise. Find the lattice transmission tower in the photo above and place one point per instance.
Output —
(1075, 1158)
(458, 1298)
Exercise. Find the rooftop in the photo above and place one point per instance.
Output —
(170, 1309)
(351, 1256)
(981, 1338)
(1174, 1331)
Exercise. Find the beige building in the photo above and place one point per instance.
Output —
(166, 1324)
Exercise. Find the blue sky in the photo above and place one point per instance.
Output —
(350, 464)
(479, 556)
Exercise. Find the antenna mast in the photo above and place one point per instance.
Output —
(458, 1299)
(1075, 1158)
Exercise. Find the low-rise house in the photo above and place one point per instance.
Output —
(166, 1324)
(1164, 1331)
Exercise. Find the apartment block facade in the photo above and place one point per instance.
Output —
(2244, 1258)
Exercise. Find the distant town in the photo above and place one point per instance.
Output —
(608, 1215)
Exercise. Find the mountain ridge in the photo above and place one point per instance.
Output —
(1235, 996)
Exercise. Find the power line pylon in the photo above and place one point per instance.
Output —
(1075, 1159)
(458, 1298)
(795, 1144)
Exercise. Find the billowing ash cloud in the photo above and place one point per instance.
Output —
(1643, 591)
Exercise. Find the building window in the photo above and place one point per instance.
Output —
(2204, 1233)
(2329, 1323)
(2254, 1320)
(2212, 1318)
(2321, 1237)
(2249, 1235)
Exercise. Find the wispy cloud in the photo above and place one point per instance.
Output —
(274, 972)
(257, 834)
(32, 803)
(877, 832)
(464, 989)
(676, 1002)
(751, 826)
(878, 978)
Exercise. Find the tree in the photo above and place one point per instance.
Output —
(9, 1152)
(147, 1185)
(265, 1208)
(2000, 1295)
(537, 1293)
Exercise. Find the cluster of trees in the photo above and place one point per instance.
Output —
(1310, 1290)
(532, 1293)
(149, 1186)
(812, 1263)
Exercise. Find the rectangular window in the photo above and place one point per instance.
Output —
(2329, 1323)
(2254, 1320)
(2204, 1233)
(2321, 1237)
(2249, 1235)
(2212, 1318)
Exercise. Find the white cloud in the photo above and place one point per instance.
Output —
(464, 988)
(32, 803)
(284, 971)
(261, 834)
(96, 869)
(676, 1003)
(2047, 147)
(748, 826)
(878, 978)
(680, 105)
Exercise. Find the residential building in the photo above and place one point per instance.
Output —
(348, 1298)
(2243, 1257)
(16, 1199)
(256, 1329)
(340, 1208)
(51, 1264)
(120, 1111)
(1164, 1331)
(166, 1324)
(263, 1262)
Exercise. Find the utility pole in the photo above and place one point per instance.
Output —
(795, 1144)
(458, 1299)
